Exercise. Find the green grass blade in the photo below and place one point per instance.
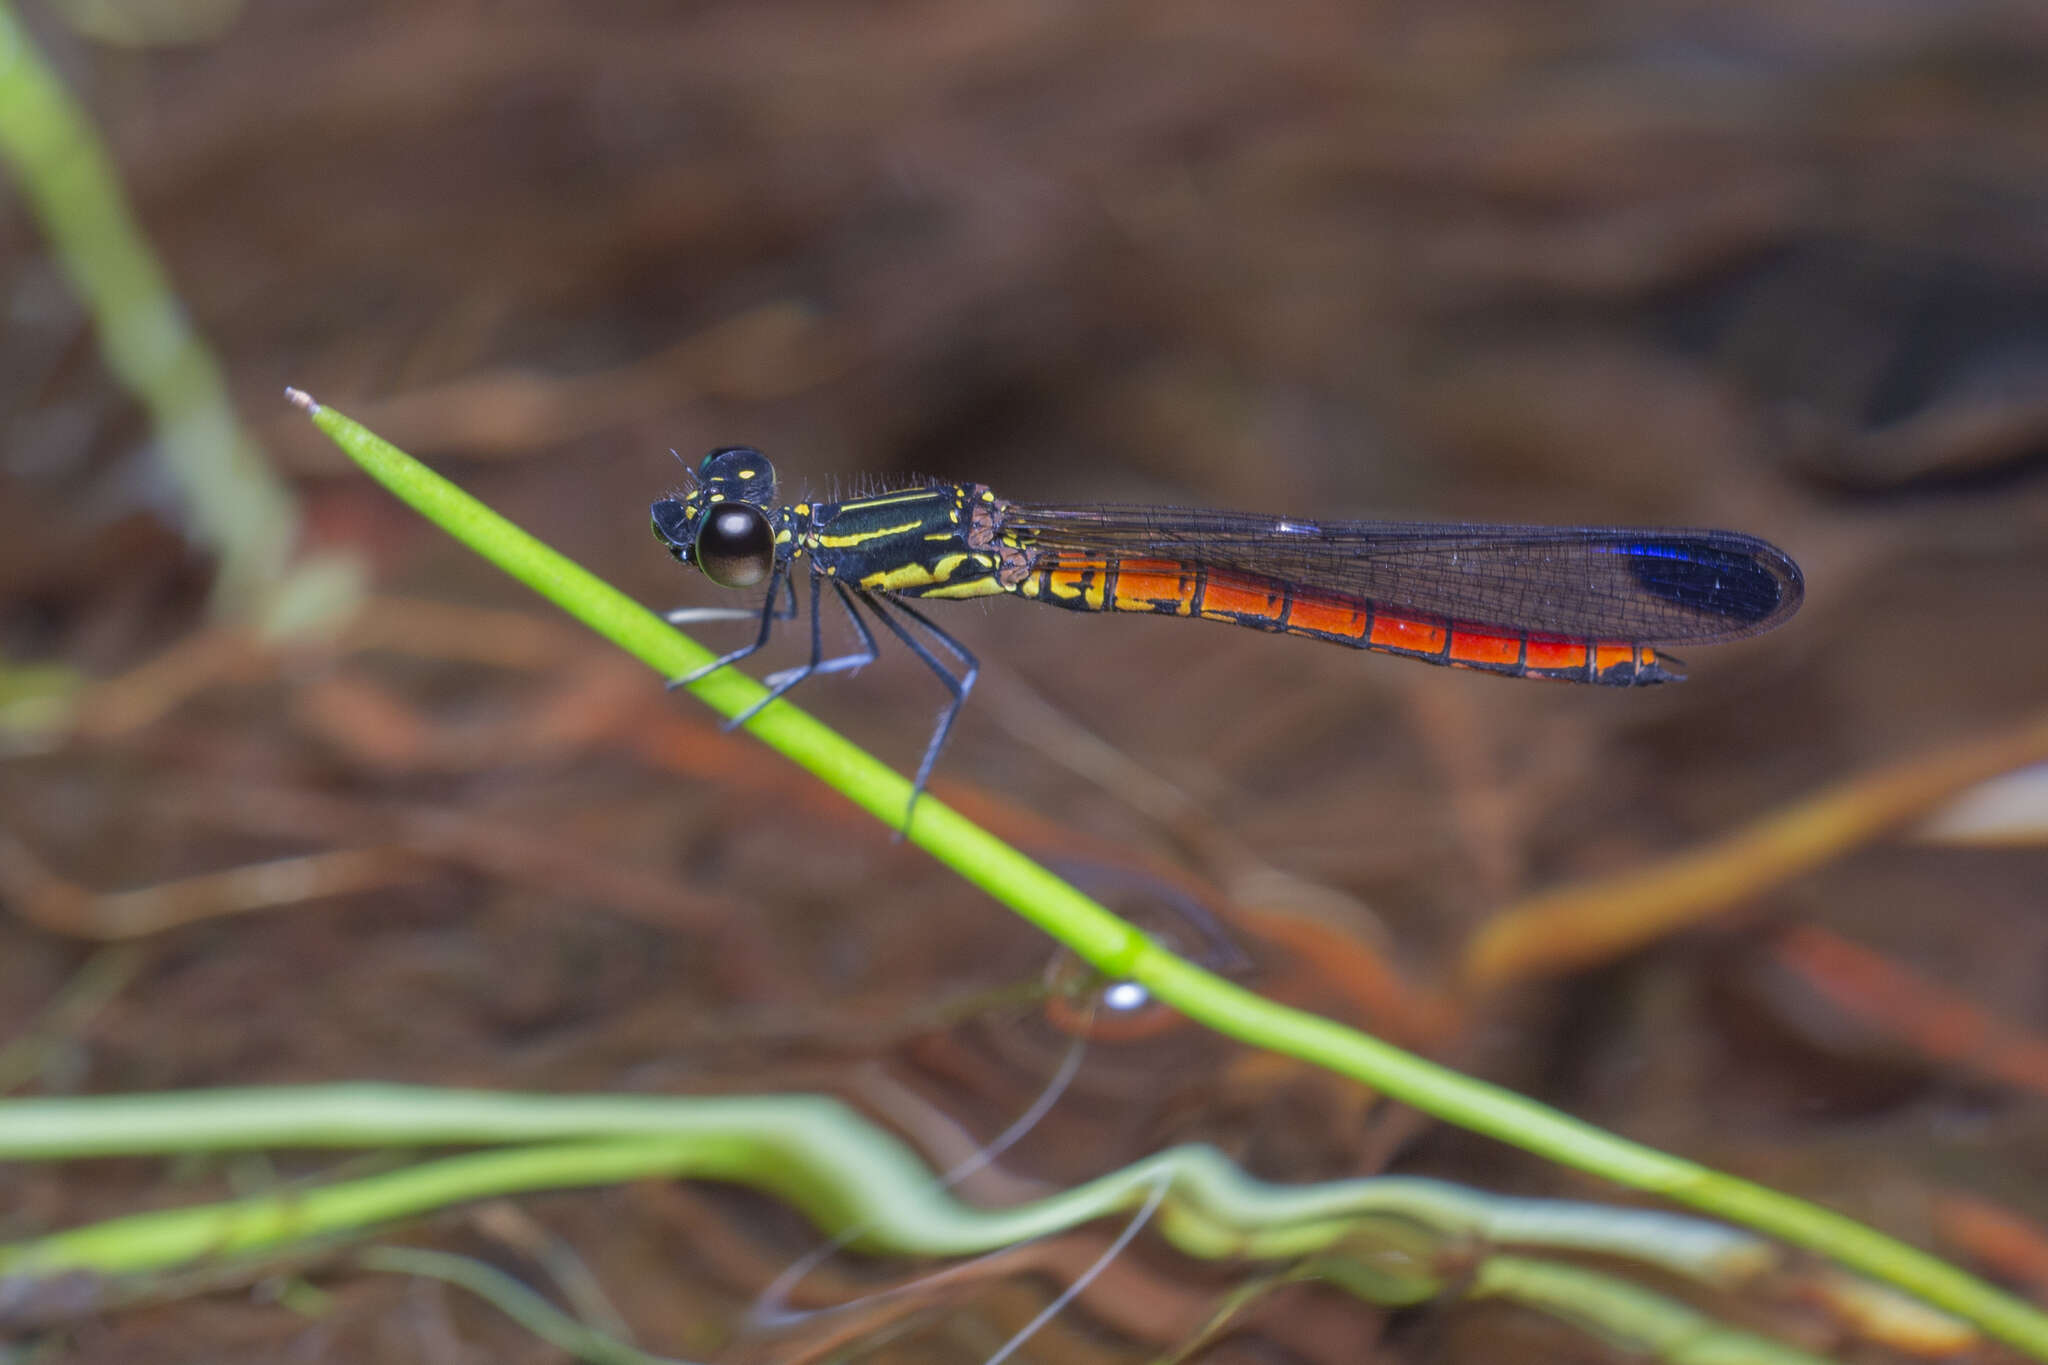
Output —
(237, 504)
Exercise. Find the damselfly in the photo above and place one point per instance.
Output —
(1573, 603)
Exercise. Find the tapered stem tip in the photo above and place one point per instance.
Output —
(302, 400)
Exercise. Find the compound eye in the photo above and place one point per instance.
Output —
(735, 545)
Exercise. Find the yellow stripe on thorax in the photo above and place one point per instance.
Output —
(846, 542)
(905, 576)
(973, 587)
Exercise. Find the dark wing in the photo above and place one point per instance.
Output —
(1647, 586)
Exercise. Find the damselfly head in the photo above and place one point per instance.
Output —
(739, 472)
(732, 543)
(722, 525)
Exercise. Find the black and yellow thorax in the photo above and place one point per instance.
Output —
(937, 541)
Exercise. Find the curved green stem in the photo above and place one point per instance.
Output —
(1121, 951)
(1388, 1240)
(851, 1178)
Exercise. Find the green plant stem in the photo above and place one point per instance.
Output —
(850, 1177)
(1121, 951)
(237, 504)
(1386, 1240)
(514, 1300)
(1628, 1315)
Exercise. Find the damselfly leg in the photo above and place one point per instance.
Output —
(860, 658)
(959, 686)
(769, 614)
(781, 586)
(780, 682)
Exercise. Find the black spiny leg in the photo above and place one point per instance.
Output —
(778, 580)
(859, 658)
(959, 686)
(780, 682)
(690, 616)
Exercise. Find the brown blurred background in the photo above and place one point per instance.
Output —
(1773, 267)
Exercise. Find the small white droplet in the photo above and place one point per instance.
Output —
(1125, 996)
